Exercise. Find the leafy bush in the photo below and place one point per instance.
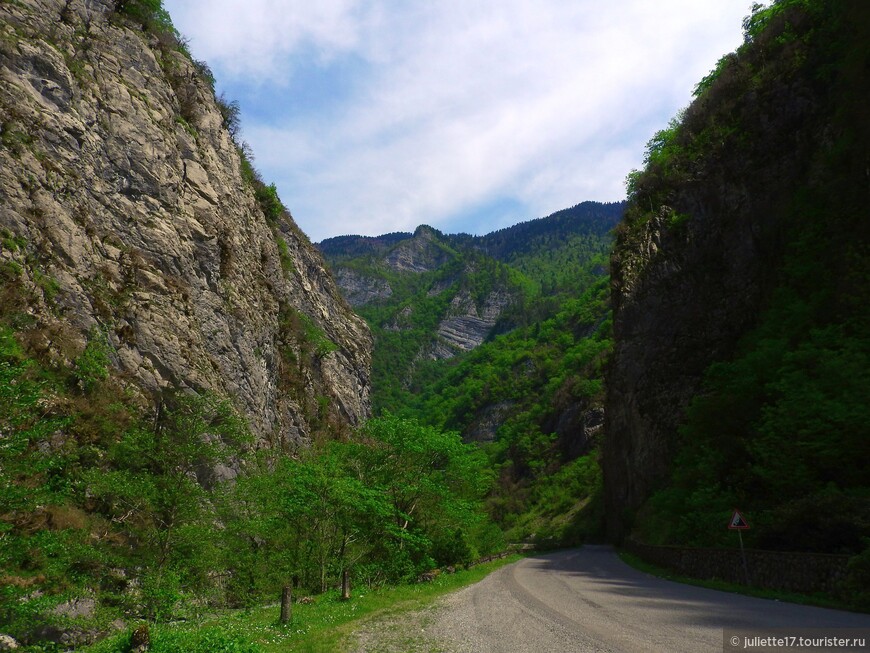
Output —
(150, 14)
(92, 366)
(374, 507)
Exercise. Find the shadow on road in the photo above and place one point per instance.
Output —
(604, 581)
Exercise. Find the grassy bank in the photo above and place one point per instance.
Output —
(322, 626)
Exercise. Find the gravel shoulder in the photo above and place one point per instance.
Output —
(582, 601)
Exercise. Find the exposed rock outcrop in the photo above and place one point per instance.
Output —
(484, 427)
(579, 428)
(360, 289)
(125, 197)
(422, 253)
(704, 240)
(467, 325)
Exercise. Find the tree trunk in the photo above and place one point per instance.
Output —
(345, 585)
(287, 604)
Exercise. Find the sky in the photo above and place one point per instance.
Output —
(374, 116)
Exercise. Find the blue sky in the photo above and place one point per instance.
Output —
(374, 116)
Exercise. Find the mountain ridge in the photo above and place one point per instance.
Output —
(560, 222)
(468, 288)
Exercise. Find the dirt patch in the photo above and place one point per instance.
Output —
(406, 632)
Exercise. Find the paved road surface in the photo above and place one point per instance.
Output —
(587, 599)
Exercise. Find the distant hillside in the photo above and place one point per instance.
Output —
(503, 338)
(351, 246)
(548, 234)
(431, 296)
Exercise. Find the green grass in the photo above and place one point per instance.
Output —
(818, 599)
(323, 626)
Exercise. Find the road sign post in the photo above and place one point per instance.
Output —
(738, 523)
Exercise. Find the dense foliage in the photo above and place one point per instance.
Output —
(517, 388)
(100, 496)
(105, 498)
(160, 512)
(780, 429)
(543, 360)
(590, 221)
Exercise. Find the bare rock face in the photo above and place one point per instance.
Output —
(484, 427)
(691, 277)
(124, 195)
(467, 325)
(579, 428)
(360, 289)
(414, 254)
(681, 301)
(422, 253)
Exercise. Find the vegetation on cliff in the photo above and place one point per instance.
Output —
(532, 398)
(778, 426)
(738, 343)
(161, 319)
(528, 272)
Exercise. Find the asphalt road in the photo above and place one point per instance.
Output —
(589, 600)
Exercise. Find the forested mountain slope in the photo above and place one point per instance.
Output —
(501, 337)
(431, 296)
(741, 297)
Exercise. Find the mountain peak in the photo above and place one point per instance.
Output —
(427, 232)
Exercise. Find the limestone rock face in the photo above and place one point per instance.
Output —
(467, 325)
(124, 195)
(692, 271)
(467, 321)
(484, 427)
(579, 427)
(422, 253)
(681, 301)
(360, 289)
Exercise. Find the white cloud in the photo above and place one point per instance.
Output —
(258, 38)
(455, 104)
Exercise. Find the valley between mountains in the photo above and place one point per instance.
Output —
(201, 410)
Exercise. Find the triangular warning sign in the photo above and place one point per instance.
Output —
(738, 522)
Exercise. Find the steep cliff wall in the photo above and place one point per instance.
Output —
(126, 211)
(763, 158)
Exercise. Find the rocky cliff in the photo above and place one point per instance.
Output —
(129, 214)
(424, 252)
(466, 325)
(761, 160)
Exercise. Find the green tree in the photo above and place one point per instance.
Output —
(155, 486)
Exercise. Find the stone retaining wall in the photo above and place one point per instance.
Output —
(779, 570)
